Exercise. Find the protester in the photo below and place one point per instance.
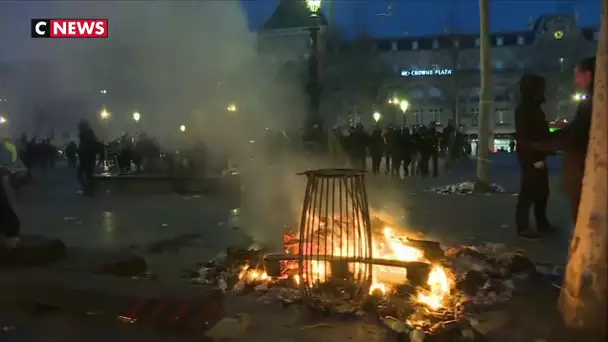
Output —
(376, 148)
(531, 125)
(574, 138)
(390, 139)
(9, 222)
(406, 150)
(70, 154)
(88, 150)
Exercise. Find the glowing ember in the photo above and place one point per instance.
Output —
(440, 284)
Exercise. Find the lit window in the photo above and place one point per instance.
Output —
(435, 44)
(520, 40)
(499, 41)
(477, 42)
(415, 45)
(394, 46)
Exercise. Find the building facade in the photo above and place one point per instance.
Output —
(437, 75)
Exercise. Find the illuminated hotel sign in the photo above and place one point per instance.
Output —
(427, 72)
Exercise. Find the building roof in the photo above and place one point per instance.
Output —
(292, 14)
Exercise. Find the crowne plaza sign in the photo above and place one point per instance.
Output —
(426, 72)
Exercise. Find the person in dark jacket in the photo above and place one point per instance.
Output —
(531, 125)
(87, 152)
(9, 221)
(574, 138)
(396, 152)
(390, 138)
(70, 154)
(376, 148)
(406, 150)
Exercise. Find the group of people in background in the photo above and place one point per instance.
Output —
(414, 150)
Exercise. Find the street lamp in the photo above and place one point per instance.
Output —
(231, 108)
(313, 124)
(3, 120)
(377, 116)
(182, 128)
(105, 115)
(136, 117)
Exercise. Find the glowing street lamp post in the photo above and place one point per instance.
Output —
(313, 122)
(136, 117)
(182, 128)
(3, 120)
(104, 115)
(404, 105)
(377, 116)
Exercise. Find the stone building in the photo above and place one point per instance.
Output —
(438, 75)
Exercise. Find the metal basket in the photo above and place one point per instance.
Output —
(335, 249)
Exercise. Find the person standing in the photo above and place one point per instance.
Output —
(376, 148)
(406, 150)
(87, 151)
(70, 154)
(9, 221)
(396, 153)
(574, 138)
(389, 140)
(531, 125)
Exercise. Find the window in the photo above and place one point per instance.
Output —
(456, 43)
(520, 40)
(435, 44)
(415, 45)
(499, 41)
(477, 42)
(394, 46)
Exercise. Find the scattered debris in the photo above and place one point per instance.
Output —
(463, 188)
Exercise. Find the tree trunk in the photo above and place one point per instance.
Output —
(582, 302)
(482, 182)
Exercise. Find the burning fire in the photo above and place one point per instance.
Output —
(392, 247)
(440, 284)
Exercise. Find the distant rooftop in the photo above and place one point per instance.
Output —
(292, 14)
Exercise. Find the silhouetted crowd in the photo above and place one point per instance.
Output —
(414, 150)
(35, 153)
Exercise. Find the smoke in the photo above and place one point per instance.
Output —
(175, 63)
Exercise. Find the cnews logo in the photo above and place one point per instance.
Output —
(69, 28)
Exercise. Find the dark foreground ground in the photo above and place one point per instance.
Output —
(52, 207)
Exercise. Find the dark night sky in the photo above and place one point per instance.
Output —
(429, 17)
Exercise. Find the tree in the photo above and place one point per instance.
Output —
(482, 181)
(583, 298)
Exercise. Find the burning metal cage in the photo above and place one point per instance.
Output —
(335, 242)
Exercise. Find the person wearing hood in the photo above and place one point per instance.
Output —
(531, 125)
(574, 138)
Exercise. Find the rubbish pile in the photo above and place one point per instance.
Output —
(463, 188)
(481, 279)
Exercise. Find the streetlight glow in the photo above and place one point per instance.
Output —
(3, 120)
(403, 105)
(579, 97)
(136, 116)
(313, 6)
(377, 116)
(182, 128)
(231, 108)
(104, 114)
